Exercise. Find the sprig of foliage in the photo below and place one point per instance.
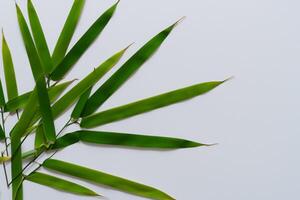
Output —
(40, 107)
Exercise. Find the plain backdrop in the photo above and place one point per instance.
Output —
(254, 118)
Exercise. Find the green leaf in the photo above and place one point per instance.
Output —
(39, 38)
(102, 178)
(2, 98)
(125, 72)
(16, 134)
(80, 104)
(46, 112)
(40, 139)
(82, 45)
(70, 97)
(32, 54)
(59, 184)
(124, 139)
(67, 32)
(20, 101)
(148, 104)
(9, 72)
(2, 133)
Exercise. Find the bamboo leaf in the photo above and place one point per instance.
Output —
(124, 139)
(82, 45)
(2, 133)
(102, 178)
(59, 184)
(9, 72)
(67, 32)
(20, 101)
(39, 38)
(32, 54)
(80, 104)
(70, 97)
(16, 134)
(46, 112)
(125, 72)
(2, 98)
(40, 139)
(146, 105)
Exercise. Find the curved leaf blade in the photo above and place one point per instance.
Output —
(102, 178)
(39, 38)
(9, 72)
(146, 105)
(60, 184)
(32, 54)
(124, 139)
(67, 32)
(82, 45)
(126, 71)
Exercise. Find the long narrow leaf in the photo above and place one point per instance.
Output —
(148, 104)
(16, 134)
(102, 178)
(70, 97)
(125, 72)
(32, 54)
(2, 133)
(2, 98)
(124, 139)
(80, 104)
(20, 101)
(39, 38)
(9, 72)
(59, 184)
(67, 32)
(82, 45)
(46, 112)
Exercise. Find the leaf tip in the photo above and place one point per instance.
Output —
(179, 21)
(228, 79)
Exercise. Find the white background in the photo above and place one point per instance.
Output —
(254, 117)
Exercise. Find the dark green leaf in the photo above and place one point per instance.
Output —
(32, 54)
(80, 104)
(148, 104)
(70, 97)
(82, 45)
(2, 134)
(59, 184)
(46, 112)
(67, 32)
(20, 101)
(9, 72)
(124, 139)
(115, 182)
(125, 72)
(2, 98)
(39, 38)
